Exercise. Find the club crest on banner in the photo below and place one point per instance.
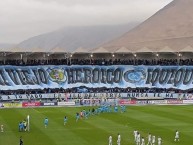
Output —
(135, 75)
(57, 75)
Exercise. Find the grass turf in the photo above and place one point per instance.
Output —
(159, 120)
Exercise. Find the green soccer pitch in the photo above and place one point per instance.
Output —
(158, 120)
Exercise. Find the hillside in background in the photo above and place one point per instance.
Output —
(72, 38)
(172, 26)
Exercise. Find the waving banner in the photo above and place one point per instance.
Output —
(122, 76)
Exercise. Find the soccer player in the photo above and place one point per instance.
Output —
(153, 139)
(159, 140)
(110, 140)
(86, 114)
(177, 136)
(138, 138)
(2, 129)
(25, 125)
(142, 141)
(81, 114)
(77, 116)
(119, 137)
(89, 112)
(109, 109)
(124, 108)
(115, 109)
(149, 139)
(65, 120)
(20, 141)
(46, 122)
(21, 127)
(118, 142)
(135, 135)
(93, 111)
(121, 108)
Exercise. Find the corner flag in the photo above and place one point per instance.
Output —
(28, 125)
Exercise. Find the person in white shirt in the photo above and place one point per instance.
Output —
(153, 139)
(110, 140)
(142, 141)
(119, 138)
(118, 142)
(177, 136)
(138, 138)
(2, 129)
(135, 135)
(149, 139)
(159, 140)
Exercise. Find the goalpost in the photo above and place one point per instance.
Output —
(28, 121)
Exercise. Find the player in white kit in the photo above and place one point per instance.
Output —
(149, 139)
(118, 139)
(142, 141)
(138, 138)
(110, 140)
(177, 136)
(135, 135)
(118, 142)
(153, 139)
(2, 129)
(159, 140)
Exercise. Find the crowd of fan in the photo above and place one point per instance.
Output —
(163, 62)
(94, 90)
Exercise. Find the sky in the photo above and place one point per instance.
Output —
(22, 19)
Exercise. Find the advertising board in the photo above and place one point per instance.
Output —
(31, 104)
(66, 103)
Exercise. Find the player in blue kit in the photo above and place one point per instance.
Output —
(109, 109)
(115, 109)
(123, 108)
(86, 114)
(65, 120)
(77, 116)
(20, 126)
(46, 122)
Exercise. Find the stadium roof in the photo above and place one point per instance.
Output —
(123, 50)
(16, 49)
(4, 50)
(166, 49)
(38, 50)
(100, 50)
(143, 50)
(58, 50)
(187, 49)
(81, 50)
